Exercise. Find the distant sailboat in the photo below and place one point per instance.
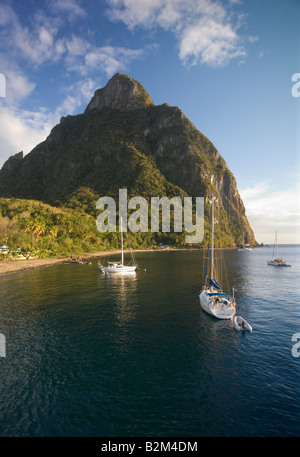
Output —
(118, 267)
(212, 299)
(278, 261)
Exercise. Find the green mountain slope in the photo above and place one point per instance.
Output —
(123, 140)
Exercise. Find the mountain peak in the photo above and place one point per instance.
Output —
(121, 92)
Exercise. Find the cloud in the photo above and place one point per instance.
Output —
(209, 42)
(269, 209)
(77, 94)
(69, 7)
(45, 40)
(29, 44)
(111, 59)
(34, 42)
(204, 28)
(21, 131)
(17, 85)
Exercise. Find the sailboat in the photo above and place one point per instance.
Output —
(118, 267)
(212, 299)
(278, 261)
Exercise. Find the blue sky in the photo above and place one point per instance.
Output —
(227, 64)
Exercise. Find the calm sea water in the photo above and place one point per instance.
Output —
(136, 356)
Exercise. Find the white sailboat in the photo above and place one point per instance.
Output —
(118, 267)
(212, 299)
(278, 261)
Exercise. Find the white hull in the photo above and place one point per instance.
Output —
(117, 269)
(241, 324)
(278, 263)
(218, 305)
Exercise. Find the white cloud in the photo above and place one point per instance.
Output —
(77, 94)
(41, 43)
(134, 13)
(69, 7)
(204, 28)
(269, 209)
(110, 59)
(84, 58)
(17, 85)
(26, 45)
(77, 46)
(210, 42)
(21, 131)
(35, 43)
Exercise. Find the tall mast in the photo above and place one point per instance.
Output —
(207, 261)
(212, 240)
(122, 241)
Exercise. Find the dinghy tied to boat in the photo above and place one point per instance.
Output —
(241, 324)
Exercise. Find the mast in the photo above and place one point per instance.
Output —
(207, 261)
(276, 244)
(122, 241)
(212, 239)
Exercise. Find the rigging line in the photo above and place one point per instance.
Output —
(225, 270)
(130, 250)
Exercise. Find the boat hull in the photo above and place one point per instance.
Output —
(119, 269)
(220, 310)
(278, 264)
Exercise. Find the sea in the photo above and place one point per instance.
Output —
(93, 355)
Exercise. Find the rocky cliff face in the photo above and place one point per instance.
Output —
(121, 92)
(123, 140)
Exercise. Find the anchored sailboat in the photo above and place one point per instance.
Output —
(119, 267)
(212, 299)
(278, 261)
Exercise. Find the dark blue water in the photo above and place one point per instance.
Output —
(90, 355)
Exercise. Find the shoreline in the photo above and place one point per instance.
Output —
(14, 266)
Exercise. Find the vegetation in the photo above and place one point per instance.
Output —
(49, 197)
(47, 231)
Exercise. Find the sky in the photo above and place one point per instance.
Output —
(231, 66)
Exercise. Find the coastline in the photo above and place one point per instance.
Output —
(14, 266)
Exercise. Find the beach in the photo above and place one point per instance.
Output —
(13, 266)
